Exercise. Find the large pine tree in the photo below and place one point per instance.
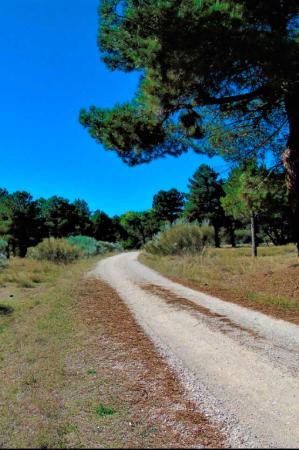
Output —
(212, 71)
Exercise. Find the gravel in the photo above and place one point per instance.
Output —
(243, 375)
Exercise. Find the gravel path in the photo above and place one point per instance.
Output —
(241, 366)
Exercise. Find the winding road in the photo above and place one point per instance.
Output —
(239, 365)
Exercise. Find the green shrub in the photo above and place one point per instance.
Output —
(3, 250)
(181, 238)
(243, 236)
(108, 247)
(3, 261)
(208, 234)
(87, 245)
(55, 250)
(90, 246)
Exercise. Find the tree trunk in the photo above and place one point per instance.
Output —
(216, 236)
(22, 251)
(253, 235)
(232, 236)
(290, 160)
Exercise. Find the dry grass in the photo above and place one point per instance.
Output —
(78, 372)
(26, 273)
(35, 339)
(269, 283)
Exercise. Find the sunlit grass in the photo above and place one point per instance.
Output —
(23, 272)
(234, 270)
(36, 334)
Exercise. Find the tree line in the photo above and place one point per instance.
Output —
(251, 195)
(24, 222)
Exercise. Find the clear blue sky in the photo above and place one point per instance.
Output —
(50, 69)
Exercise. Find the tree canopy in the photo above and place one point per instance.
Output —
(20, 223)
(139, 226)
(104, 228)
(256, 194)
(168, 205)
(203, 201)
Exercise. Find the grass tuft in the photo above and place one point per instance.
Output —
(102, 411)
(27, 273)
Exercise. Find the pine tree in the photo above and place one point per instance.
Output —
(212, 71)
(168, 205)
(203, 201)
(245, 195)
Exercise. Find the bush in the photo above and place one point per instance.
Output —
(87, 245)
(208, 234)
(188, 238)
(108, 247)
(90, 246)
(55, 250)
(3, 250)
(3, 260)
(243, 236)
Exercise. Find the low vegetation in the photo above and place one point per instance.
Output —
(26, 273)
(55, 250)
(91, 247)
(108, 247)
(180, 239)
(69, 250)
(268, 283)
(86, 244)
(3, 253)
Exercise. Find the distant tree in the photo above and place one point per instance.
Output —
(203, 200)
(119, 233)
(168, 205)
(58, 215)
(83, 225)
(274, 217)
(230, 224)
(3, 193)
(25, 224)
(151, 223)
(102, 226)
(5, 214)
(139, 226)
(245, 194)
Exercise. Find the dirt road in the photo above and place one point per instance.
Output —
(240, 366)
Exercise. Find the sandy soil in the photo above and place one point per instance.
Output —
(239, 365)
